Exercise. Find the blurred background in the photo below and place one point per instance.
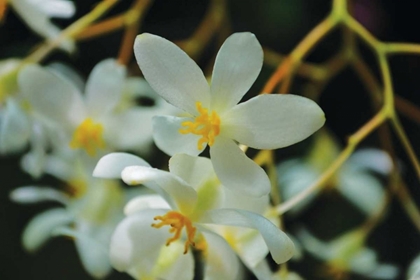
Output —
(279, 25)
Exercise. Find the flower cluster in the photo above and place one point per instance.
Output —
(200, 199)
(169, 160)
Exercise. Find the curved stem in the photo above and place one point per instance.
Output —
(71, 31)
(353, 141)
(291, 62)
(133, 18)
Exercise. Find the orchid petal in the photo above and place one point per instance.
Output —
(34, 161)
(39, 229)
(362, 189)
(371, 159)
(193, 170)
(128, 248)
(147, 201)
(273, 121)
(110, 166)
(104, 87)
(236, 171)
(14, 128)
(294, 176)
(30, 194)
(279, 244)
(56, 8)
(240, 200)
(171, 72)
(237, 66)
(168, 138)
(221, 261)
(183, 194)
(93, 254)
(50, 95)
(135, 134)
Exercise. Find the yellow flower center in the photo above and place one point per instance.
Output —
(207, 125)
(88, 136)
(177, 222)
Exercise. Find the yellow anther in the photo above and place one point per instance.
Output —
(177, 222)
(88, 135)
(207, 125)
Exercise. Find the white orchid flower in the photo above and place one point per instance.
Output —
(356, 179)
(19, 127)
(346, 254)
(90, 122)
(268, 121)
(37, 13)
(194, 197)
(92, 209)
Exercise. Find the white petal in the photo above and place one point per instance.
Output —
(168, 138)
(34, 161)
(69, 73)
(235, 170)
(48, 94)
(171, 73)
(250, 246)
(262, 271)
(147, 201)
(193, 170)
(387, 271)
(172, 263)
(111, 165)
(38, 21)
(372, 159)
(414, 268)
(316, 247)
(31, 194)
(57, 8)
(39, 229)
(104, 87)
(294, 176)
(60, 166)
(279, 244)
(130, 130)
(221, 261)
(183, 194)
(237, 66)
(128, 248)
(362, 189)
(93, 254)
(240, 200)
(272, 121)
(14, 128)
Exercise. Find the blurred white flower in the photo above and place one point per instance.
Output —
(19, 127)
(268, 121)
(37, 15)
(356, 180)
(194, 198)
(92, 209)
(94, 122)
(347, 253)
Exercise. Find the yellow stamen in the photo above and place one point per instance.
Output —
(88, 135)
(177, 222)
(207, 125)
